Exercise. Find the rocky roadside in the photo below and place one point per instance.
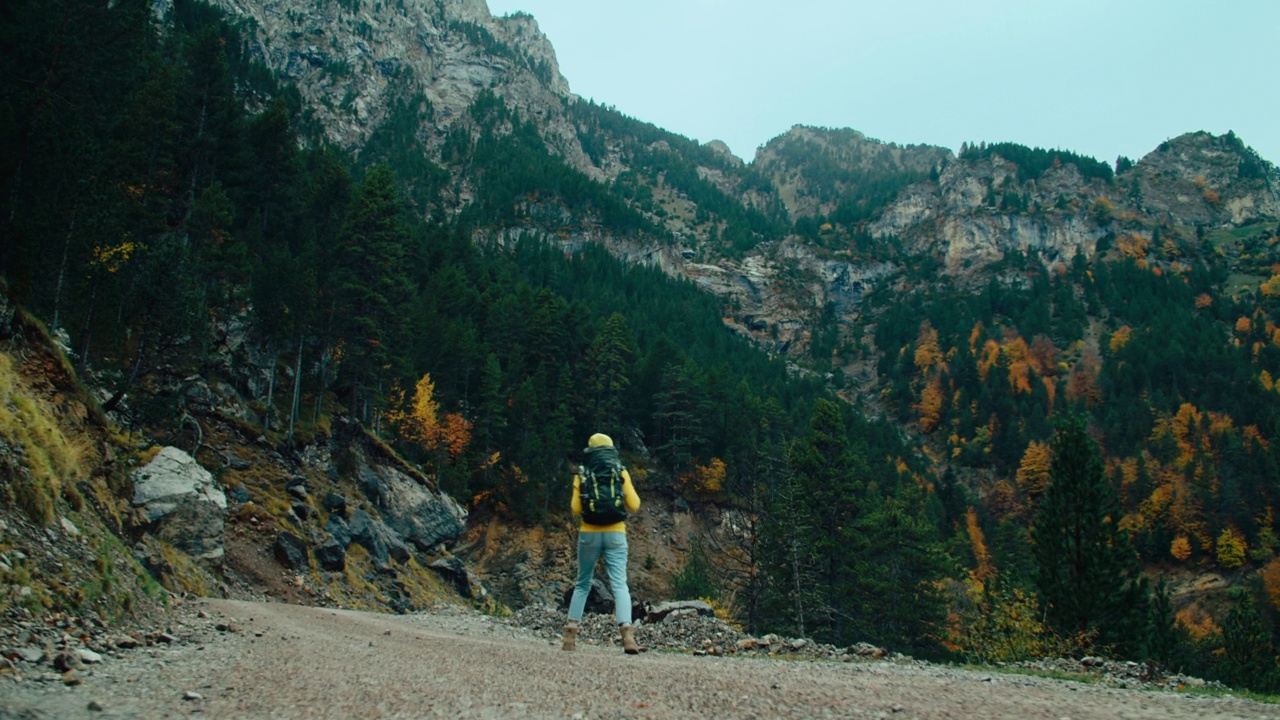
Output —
(63, 667)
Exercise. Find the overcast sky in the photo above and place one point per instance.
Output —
(1099, 77)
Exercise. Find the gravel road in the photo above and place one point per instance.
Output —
(259, 660)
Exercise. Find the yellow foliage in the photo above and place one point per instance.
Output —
(927, 352)
(422, 423)
(1271, 288)
(1033, 472)
(112, 257)
(1002, 626)
(704, 481)
(1231, 548)
(1267, 382)
(1180, 548)
(1121, 337)
(1133, 245)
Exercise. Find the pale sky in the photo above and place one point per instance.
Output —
(1098, 77)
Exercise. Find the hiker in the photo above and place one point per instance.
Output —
(602, 495)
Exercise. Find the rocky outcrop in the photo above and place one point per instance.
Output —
(352, 60)
(421, 516)
(182, 503)
(1202, 179)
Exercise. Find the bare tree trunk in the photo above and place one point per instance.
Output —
(62, 270)
(297, 389)
(271, 392)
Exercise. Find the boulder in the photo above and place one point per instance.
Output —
(331, 555)
(381, 541)
(599, 600)
(680, 607)
(291, 551)
(182, 502)
(336, 504)
(456, 573)
(338, 529)
(421, 516)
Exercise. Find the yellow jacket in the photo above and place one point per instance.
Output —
(629, 493)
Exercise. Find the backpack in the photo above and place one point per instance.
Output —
(600, 490)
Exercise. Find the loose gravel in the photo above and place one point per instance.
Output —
(237, 659)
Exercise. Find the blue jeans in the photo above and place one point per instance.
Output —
(614, 547)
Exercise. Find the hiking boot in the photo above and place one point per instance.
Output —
(629, 640)
(570, 638)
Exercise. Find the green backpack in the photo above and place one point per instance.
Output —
(600, 488)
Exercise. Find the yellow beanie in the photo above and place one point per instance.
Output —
(599, 439)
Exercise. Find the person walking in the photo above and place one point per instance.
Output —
(602, 496)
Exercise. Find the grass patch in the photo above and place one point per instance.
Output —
(48, 461)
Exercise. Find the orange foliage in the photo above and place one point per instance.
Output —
(1204, 300)
(987, 358)
(1180, 548)
(1271, 582)
(1244, 326)
(930, 405)
(1199, 624)
(979, 545)
(1003, 497)
(1044, 356)
(1212, 197)
(1082, 383)
(455, 434)
(1271, 288)
(974, 335)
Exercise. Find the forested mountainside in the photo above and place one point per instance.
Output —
(372, 261)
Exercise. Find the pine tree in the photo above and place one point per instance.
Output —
(372, 288)
(1086, 572)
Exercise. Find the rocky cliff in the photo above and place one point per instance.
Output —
(819, 217)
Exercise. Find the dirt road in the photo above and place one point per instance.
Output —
(286, 661)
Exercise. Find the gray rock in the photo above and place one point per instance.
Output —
(336, 504)
(30, 654)
(456, 572)
(183, 503)
(599, 600)
(683, 607)
(381, 541)
(331, 555)
(418, 514)
(338, 529)
(291, 551)
(88, 657)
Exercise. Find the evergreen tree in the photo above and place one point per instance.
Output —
(1086, 572)
(372, 288)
